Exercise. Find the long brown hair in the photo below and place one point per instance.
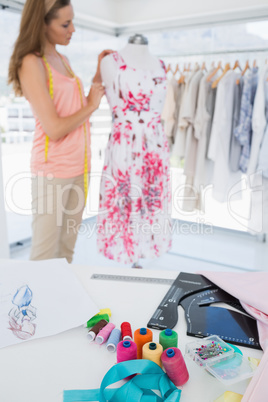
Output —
(31, 37)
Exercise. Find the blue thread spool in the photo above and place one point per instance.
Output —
(113, 340)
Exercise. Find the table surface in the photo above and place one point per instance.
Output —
(39, 370)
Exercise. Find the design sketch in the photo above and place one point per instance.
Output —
(22, 315)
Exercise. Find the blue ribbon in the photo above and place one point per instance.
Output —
(138, 389)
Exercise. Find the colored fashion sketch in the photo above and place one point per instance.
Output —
(22, 314)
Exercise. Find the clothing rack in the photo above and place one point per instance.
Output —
(219, 52)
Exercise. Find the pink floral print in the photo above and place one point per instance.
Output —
(134, 216)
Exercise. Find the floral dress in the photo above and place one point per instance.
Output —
(134, 207)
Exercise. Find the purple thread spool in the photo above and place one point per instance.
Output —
(175, 367)
(104, 333)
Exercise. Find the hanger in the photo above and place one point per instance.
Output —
(177, 70)
(247, 67)
(255, 64)
(189, 67)
(226, 68)
(168, 68)
(237, 65)
(181, 80)
(213, 64)
(214, 72)
(203, 67)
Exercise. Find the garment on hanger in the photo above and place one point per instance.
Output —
(235, 146)
(179, 131)
(178, 150)
(258, 121)
(263, 157)
(203, 118)
(243, 132)
(133, 219)
(223, 180)
(191, 195)
(169, 109)
(210, 105)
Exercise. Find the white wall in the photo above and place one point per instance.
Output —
(4, 249)
(123, 12)
(126, 16)
(131, 11)
(107, 15)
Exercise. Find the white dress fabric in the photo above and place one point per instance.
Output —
(134, 216)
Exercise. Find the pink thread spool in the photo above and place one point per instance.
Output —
(104, 333)
(175, 367)
(126, 350)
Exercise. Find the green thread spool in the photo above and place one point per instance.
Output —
(168, 339)
(94, 320)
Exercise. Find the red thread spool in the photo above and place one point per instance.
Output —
(175, 367)
(126, 331)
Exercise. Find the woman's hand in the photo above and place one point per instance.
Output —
(96, 92)
(97, 77)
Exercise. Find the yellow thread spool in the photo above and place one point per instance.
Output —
(105, 311)
(152, 351)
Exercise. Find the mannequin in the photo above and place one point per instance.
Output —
(134, 188)
(135, 54)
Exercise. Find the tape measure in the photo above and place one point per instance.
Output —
(138, 279)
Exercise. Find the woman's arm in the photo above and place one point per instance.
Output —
(33, 79)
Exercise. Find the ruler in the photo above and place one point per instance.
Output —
(138, 279)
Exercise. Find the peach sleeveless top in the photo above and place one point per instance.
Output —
(66, 156)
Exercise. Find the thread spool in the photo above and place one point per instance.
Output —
(142, 336)
(97, 318)
(126, 350)
(168, 339)
(152, 351)
(175, 367)
(96, 329)
(126, 331)
(113, 340)
(104, 333)
(105, 311)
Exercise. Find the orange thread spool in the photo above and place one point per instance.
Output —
(142, 336)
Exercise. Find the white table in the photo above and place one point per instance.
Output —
(39, 370)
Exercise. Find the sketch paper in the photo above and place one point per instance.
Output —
(40, 298)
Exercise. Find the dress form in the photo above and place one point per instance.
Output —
(121, 74)
(136, 54)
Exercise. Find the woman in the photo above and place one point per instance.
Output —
(60, 159)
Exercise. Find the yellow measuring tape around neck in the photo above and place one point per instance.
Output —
(51, 93)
